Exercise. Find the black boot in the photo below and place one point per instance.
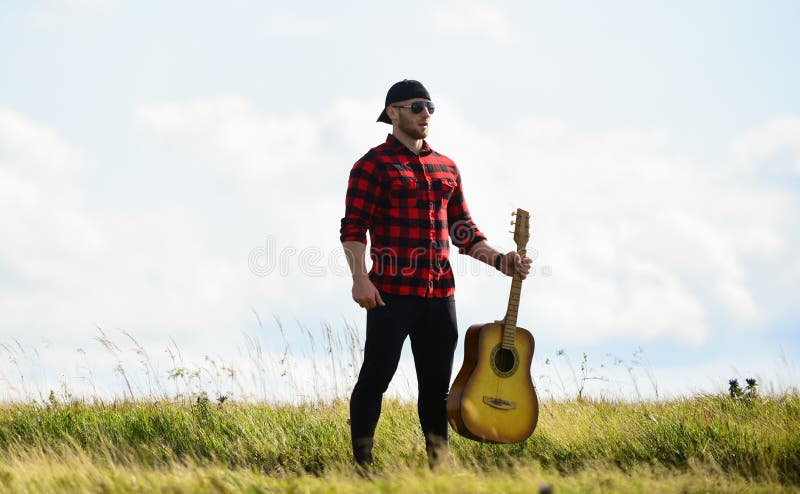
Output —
(362, 451)
(438, 451)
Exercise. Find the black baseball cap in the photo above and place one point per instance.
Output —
(400, 91)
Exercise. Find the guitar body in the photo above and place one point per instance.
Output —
(493, 399)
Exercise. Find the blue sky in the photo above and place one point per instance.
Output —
(150, 151)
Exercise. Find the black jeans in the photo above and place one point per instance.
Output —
(431, 325)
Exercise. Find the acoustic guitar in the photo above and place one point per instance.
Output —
(493, 399)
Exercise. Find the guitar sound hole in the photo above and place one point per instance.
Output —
(504, 360)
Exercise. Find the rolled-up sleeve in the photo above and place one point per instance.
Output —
(464, 233)
(363, 190)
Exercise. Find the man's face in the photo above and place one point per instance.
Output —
(415, 125)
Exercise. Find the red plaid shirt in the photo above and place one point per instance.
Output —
(412, 205)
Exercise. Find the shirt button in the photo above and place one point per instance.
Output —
(431, 206)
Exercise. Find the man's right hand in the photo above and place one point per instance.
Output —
(365, 294)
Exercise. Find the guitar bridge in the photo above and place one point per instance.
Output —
(499, 403)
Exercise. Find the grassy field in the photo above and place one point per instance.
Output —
(702, 444)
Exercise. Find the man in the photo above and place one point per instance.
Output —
(410, 199)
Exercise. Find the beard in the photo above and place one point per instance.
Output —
(410, 128)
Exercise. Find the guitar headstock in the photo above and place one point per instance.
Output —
(521, 228)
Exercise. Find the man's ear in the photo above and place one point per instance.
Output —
(391, 112)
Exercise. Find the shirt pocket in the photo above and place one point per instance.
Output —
(404, 192)
(443, 189)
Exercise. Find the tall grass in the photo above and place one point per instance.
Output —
(189, 430)
(755, 440)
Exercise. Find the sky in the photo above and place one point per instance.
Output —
(172, 178)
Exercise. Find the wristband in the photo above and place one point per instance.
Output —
(497, 261)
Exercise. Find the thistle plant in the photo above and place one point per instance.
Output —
(734, 390)
(749, 392)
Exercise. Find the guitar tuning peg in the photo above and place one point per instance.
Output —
(513, 213)
(512, 222)
(511, 231)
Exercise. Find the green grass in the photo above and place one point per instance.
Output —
(701, 444)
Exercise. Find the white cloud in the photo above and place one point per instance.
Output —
(34, 152)
(73, 267)
(717, 250)
(473, 19)
(86, 4)
(67, 5)
(61, 13)
(281, 162)
(47, 227)
(255, 147)
(776, 144)
(280, 24)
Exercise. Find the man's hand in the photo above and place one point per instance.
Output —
(365, 294)
(514, 263)
(510, 263)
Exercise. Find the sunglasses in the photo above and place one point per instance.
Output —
(417, 106)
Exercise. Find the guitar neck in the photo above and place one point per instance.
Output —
(510, 321)
(521, 235)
